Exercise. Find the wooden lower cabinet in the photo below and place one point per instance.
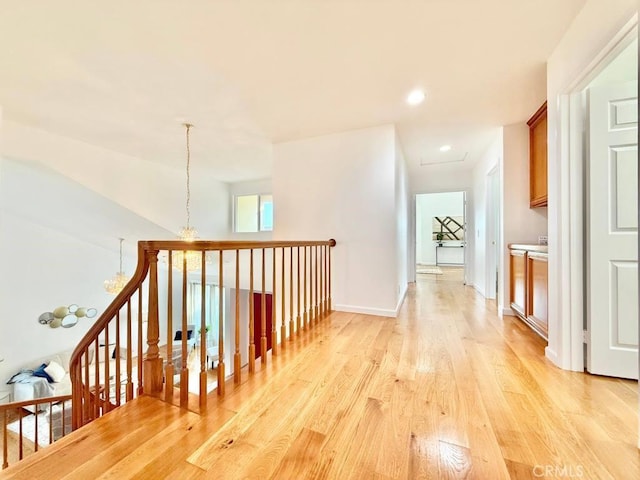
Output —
(529, 288)
(518, 263)
(537, 287)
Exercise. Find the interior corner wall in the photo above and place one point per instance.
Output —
(593, 28)
(520, 223)
(342, 186)
(490, 160)
(402, 222)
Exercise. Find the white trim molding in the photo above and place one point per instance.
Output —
(401, 299)
(381, 312)
(566, 169)
(503, 311)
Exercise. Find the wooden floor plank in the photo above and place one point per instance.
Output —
(300, 456)
(448, 389)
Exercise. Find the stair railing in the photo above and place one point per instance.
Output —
(259, 296)
(29, 425)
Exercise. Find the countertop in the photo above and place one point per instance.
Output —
(532, 247)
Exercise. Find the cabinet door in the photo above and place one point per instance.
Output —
(537, 292)
(538, 158)
(518, 263)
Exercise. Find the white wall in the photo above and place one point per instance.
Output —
(478, 230)
(590, 32)
(343, 186)
(60, 243)
(152, 191)
(521, 224)
(435, 205)
(441, 178)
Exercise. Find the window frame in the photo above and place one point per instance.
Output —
(258, 213)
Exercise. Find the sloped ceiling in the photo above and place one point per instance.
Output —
(123, 75)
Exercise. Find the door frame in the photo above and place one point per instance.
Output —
(413, 231)
(492, 234)
(573, 211)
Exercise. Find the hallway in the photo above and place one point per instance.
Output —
(447, 390)
(499, 396)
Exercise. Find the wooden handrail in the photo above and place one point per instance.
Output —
(98, 377)
(205, 245)
(35, 401)
(91, 337)
(17, 451)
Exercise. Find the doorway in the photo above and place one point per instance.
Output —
(440, 234)
(611, 216)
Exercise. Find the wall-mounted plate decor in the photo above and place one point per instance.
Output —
(66, 317)
(46, 318)
(69, 321)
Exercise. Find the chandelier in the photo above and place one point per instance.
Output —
(188, 234)
(117, 283)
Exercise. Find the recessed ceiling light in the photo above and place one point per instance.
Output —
(445, 148)
(416, 97)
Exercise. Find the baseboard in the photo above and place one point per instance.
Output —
(507, 312)
(365, 310)
(401, 300)
(551, 355)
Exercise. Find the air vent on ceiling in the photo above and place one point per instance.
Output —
(440, 162)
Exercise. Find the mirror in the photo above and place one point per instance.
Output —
(69, 321)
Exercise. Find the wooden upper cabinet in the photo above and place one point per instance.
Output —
(538, 158)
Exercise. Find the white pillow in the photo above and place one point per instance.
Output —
(55, 371)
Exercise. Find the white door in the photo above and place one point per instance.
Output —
(612, 226)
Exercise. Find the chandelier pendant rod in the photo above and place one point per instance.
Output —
(188, 127)
(121, 240)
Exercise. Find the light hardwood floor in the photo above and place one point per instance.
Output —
(447, 390)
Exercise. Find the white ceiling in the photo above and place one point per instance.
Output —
(121, 74)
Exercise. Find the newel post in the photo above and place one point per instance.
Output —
(152, 379)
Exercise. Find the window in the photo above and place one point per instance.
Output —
(212, 311)
(254, 213)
